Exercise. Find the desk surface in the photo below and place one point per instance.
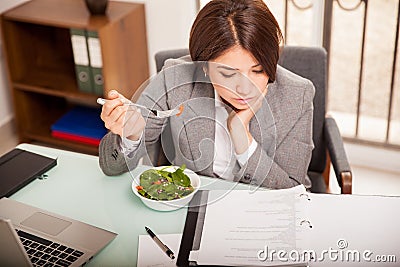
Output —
(77, 188)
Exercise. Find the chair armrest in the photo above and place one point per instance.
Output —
(338, 156)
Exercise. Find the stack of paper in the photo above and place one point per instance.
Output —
(290, 227)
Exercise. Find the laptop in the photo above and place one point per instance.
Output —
(35, 237)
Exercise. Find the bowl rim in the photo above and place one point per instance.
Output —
(134, 184)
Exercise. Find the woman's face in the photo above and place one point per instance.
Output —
(237, 77)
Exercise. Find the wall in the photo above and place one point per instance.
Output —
(168, 25)
(6, 108)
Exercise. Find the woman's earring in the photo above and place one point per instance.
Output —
(205, 71)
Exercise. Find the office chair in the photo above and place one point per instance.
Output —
(310, 63)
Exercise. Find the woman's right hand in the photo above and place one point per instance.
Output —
(126, 121)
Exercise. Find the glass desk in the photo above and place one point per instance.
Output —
(77, 188)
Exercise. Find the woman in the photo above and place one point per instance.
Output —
(245, 118)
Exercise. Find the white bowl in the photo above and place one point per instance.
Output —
(168, 205)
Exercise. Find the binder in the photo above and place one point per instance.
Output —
(76, 138)
(81, 59)
(96, 62)
(19, 167)
(349, 225)
(81, 124)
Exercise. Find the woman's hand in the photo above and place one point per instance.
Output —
(122, 119)
(238, 124)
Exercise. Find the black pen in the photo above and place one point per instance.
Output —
(159, 243)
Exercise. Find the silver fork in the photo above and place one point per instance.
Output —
(158, 113)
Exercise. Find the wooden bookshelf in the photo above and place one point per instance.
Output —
(40, 61)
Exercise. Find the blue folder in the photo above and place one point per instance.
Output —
(81, 121)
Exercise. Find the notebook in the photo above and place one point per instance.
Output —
(289, 227)
(19, 167)
(35, 237)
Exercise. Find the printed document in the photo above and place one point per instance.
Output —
(248, 225)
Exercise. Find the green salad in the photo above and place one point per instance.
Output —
(161, 184)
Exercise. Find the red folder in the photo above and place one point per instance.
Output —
(76, 138)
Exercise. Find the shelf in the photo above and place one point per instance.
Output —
(75, 97)
(40, 61)
(41, 55)
(47, 110)
(70, 13)
(55, 82)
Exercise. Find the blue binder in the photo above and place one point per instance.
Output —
(81, 121)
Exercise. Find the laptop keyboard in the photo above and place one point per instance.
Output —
(43, 252)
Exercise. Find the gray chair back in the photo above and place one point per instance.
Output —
(162, 56)
(308, 62)
(311, 63)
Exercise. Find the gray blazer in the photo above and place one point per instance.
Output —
(282, 127)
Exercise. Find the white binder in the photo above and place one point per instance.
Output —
(235, 228)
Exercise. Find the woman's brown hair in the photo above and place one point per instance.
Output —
(222, 24)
